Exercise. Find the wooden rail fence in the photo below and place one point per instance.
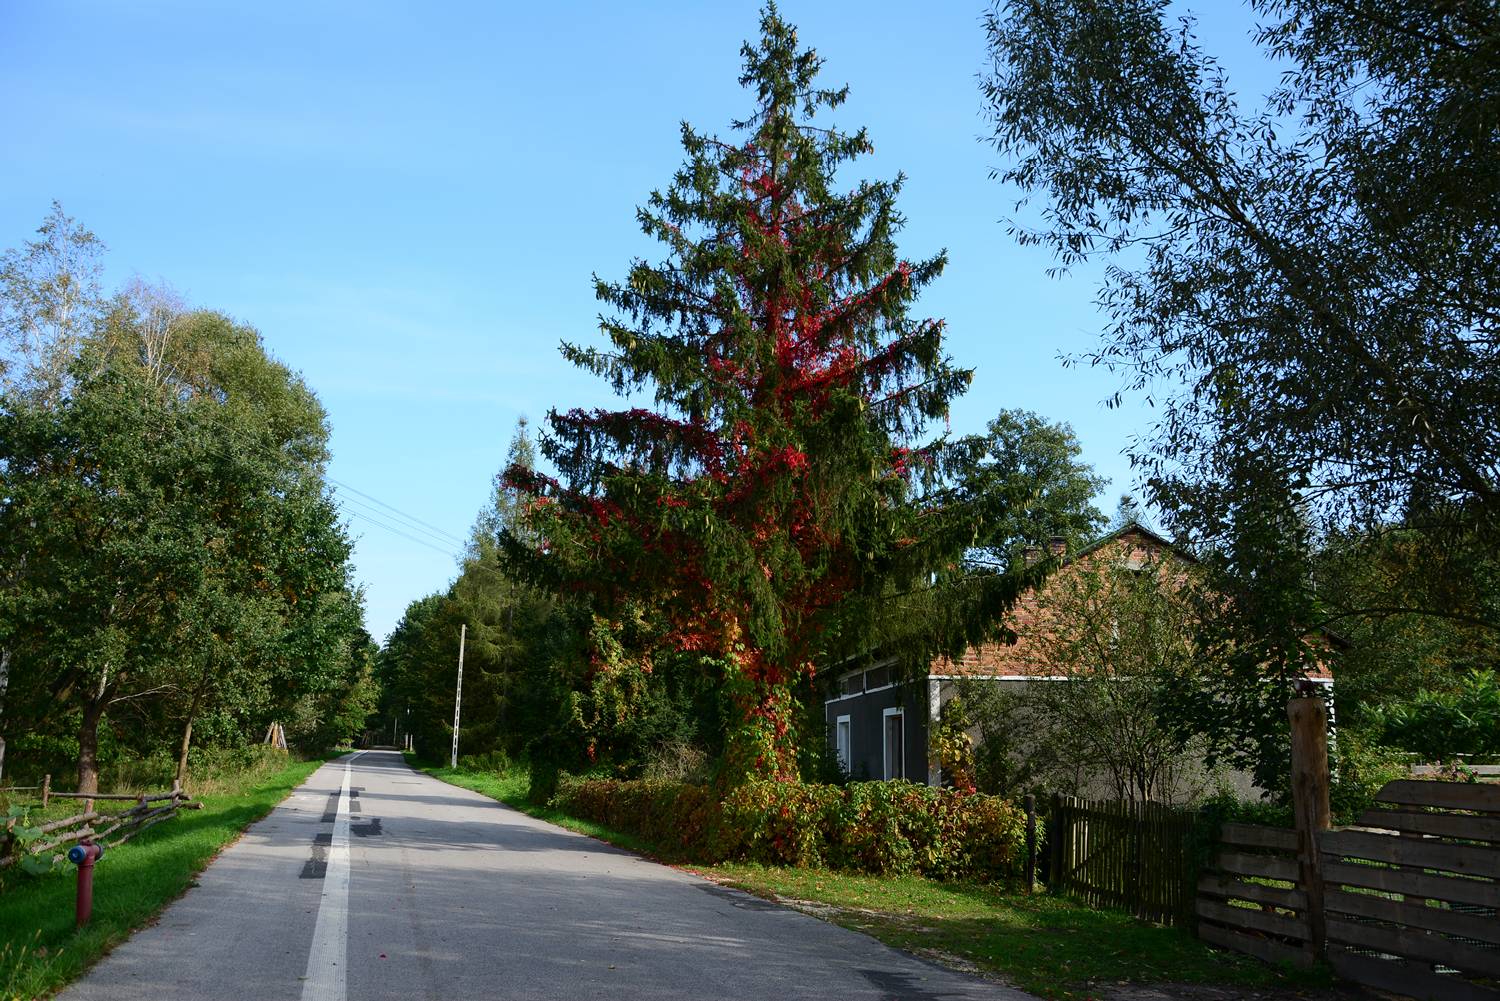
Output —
(1132, 855)
(91, 824)
(1249, 899)
(1412, 894)
(1406, 900)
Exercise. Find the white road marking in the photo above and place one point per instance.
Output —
(328, 959)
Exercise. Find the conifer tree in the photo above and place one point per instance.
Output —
(764, 510)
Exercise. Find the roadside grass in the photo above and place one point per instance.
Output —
(39, 949)
(1051, 946)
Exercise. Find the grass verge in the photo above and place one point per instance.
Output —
(39, 949)
(1050, 946)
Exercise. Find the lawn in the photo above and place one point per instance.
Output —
(1051, 946)
(39, 949)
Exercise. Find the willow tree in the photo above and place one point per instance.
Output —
(1309, 285)
(775, 499)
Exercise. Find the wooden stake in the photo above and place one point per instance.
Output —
(46, 789)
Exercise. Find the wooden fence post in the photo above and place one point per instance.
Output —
(1054, 844)
(1030, 843)
(46, 789)
(1309, 717)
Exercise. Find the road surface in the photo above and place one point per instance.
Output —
(374, 881)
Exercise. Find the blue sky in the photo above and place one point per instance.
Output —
(408, 201)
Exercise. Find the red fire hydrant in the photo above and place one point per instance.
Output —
(84, 855)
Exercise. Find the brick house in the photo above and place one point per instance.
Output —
(878, 725)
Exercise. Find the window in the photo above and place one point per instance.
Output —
(895, 743)
(841, 743)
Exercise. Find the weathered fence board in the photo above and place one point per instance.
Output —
(1465, 827)
(113, 796)
(1269, 949)
(1134, 856)
(1269, 922)
(1481, 928)
(1274, 896)
(1407, 978)
(1258, 836)
(1467, 860)
(1481, 797)
(1413, 906)
(80, 827)
(1410, 883)
(1253, 918)
(1258, 866)
(1410, 943)
(1420, 944)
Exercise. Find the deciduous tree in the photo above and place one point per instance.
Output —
(1309, 286)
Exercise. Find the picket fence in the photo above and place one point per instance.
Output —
(1137, 856)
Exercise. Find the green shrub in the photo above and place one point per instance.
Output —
(779, 823)
(1440, 725)
(489, 761)
(1363, 769)
(545, 779)
(875, 827)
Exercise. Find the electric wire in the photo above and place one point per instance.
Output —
(390, 507)
(445, 541)
(403, 519)
(371, 520)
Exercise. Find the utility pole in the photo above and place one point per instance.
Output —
(458, 694)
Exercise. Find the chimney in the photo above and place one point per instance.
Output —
(1031, 554)
(1057, 547)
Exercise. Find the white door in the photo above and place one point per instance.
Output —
(895, 744)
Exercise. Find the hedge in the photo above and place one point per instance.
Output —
(893, 827)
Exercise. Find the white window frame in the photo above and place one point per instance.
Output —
(843, 742)
(885, 737)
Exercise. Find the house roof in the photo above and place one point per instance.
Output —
(1007, 660)
(1124, 530)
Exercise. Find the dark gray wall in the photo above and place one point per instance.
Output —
(866, 723)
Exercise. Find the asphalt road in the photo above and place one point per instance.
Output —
(373, 881)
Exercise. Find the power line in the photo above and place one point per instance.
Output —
(409, 517)
(416, 524)
(464, 562)
(370, 510)
(370, 519)
(401, 517)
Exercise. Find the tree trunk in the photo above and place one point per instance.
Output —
(88, 746)
(187, 739)
(4, 687)
(187, 734)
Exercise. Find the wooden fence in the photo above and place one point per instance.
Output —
(1412, 894)
(1135, 856)
(1249, 899)
(1406, 900)
(43, 841)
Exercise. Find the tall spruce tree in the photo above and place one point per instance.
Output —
(767, 510)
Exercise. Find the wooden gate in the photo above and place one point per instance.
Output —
(1132, 855)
